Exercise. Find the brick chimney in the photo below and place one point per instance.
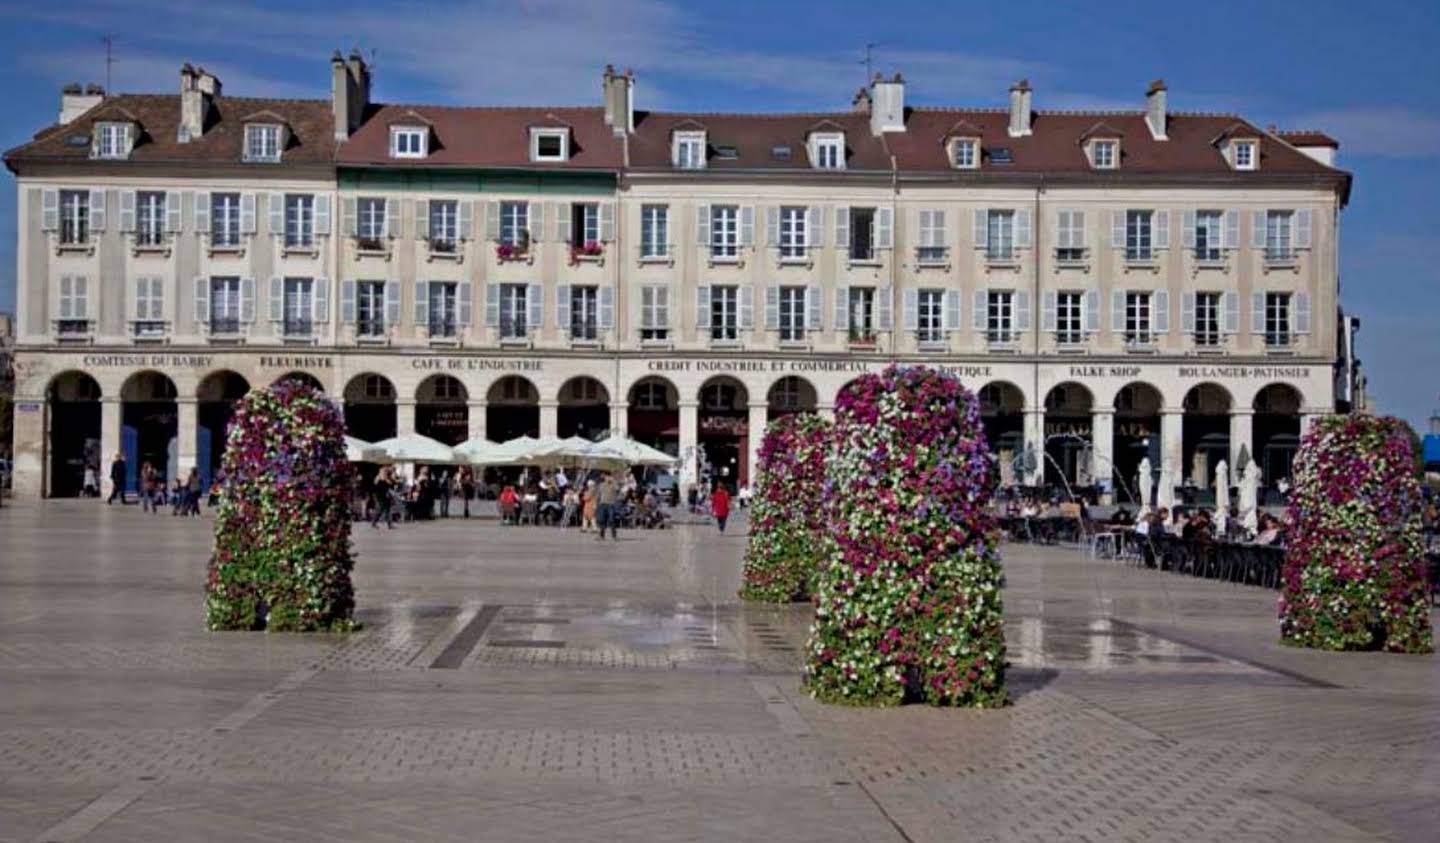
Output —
(198, 92)
(619, 93)
(887, 104)
(75, 100)
(1155, 113)
(349, 92)
(1020, 109)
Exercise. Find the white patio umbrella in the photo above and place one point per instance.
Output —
(479, 452)
(509, 453)
(1250, 497)
(1145, 481)
(634, 453)
(549, 451)
(1165, 499)
(410, 447)
(1222, 497)
(355, 449)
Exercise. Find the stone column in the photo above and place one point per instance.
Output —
(1102, 448)
(759, 419)
(187, 423)
(549, 418)
(110, 418)
(689, 439)
(1035, 445)
(404, 417)
(1172, 443)
(31, 449)
(1242, 432)
(476, 419)
(619, 418)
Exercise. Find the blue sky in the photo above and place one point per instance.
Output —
(1364, 72)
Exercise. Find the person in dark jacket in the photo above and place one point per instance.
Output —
(117, 479)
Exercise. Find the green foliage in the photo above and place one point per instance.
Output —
(787, 520)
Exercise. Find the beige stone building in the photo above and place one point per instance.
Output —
(1114, 285)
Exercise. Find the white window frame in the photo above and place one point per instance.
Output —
(584, 313)
(150, 207)
(515, 223)
(225, 304)
(930, 317)
(794, 232)
(1139, 328)
(1279, 319)
(113, 140)
(1209, 319)
(370, 302)
(1209, 235)
(443, 227)
(299, 220)
(584, 223)
(725, 313)
(1252, 149)
(862, 315)
(1279, 236)
(654, 313)
(443, 300)
(370, 220)
(1109, 159)
(409, 142)
(1000, 317)
(225, 219)
(298, 306)
(724, 232)
(263, 142)
(74, 218)
(654, 232)
(1000, 235)
(514, 312)
(965, 153)
(1069, 305)
(827, 150)
(1139, 235)
(791, 313)
(687, 150)
(536, 135)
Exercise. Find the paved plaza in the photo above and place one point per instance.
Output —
(532, 684)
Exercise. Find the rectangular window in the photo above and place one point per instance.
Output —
(112, 140)
(654, 314)
(1000, 317)
(515, 224)
(1209, 235)
(262, 143)
(830, 153)
(1104, 152)
(654, 232)
(724, 232)
(862, 315)
(407, 142)
(1069, 318)
(1139, 245)
(585, 226)
(932, 237)
(793, 240)
(514, 312)
(444, 225)
(725, 313)
(1000, 236)
(862, 234)
(792, 314)
(549, 144)
(585, 313)
(225, 219)
(370, 308)
(1138, 319)
(225, 305)
(1279, 242)
(1207, 319)
(299, 220)
(444, 305)
(149, 308)
(1245, 155)
(74, 217)
(370, 222)
(690, 151)
(298, 308)
(149, 218)
(1277, 320)
(931, 317)
(963, 154)
(1070, 236)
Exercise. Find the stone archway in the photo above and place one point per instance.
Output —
(1276, 434)
(653, 414)
(1206, 439)
(790, 394)
(302, 377)
(1069, 409)
(216, 397)
(149, 426)
(724, 430)
(1137, 437)
(1002, 414)
(72, 436)
(512, 409)
(370, 410)
(583, 408)
(442, 409)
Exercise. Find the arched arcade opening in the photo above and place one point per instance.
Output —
(72, 407)
(584, 408)
(1206, 440)
(442, 410)
(1137, 437)
(512, 409)
(370, 413)
(653, 414)
(1068, 433)
(790, 394)
(1276, 434)
(216, 398)
(724, 433)
(1002, 413)
(149, 426)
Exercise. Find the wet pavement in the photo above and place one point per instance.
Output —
(535, 684)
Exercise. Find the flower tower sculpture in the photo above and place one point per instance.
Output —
(787, 519)
(1354, 576)
(908, 605)
(282, 537)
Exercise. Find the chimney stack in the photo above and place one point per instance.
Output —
(619, 93)
(861, 102)
(198, 92)
(75, 100)
(1155, 113)
(1020, 109)
(887, 104)
(349, 92)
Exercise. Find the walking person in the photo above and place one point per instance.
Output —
(117, 480)
(720, 505)
(147, 487)
(192, 493)
(467, 487)
(443, 489)
(605, 496)
(588, 507)
(384, 499)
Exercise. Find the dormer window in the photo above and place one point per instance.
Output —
(688, 150)
(113, 140)
(965, 153)
(1105, 154)
(409, 142)
(549, 145)
(1245, 154)
(827, 150)
(262, 142)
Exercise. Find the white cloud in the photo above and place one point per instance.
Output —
(1386, 132)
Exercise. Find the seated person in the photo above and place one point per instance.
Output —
(509, 505)
(1269, 534)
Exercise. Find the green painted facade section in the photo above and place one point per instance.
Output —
(509, 182)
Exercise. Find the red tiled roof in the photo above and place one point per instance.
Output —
(312, 132)
(754, 137)
(1308, 137)
(486, 137)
